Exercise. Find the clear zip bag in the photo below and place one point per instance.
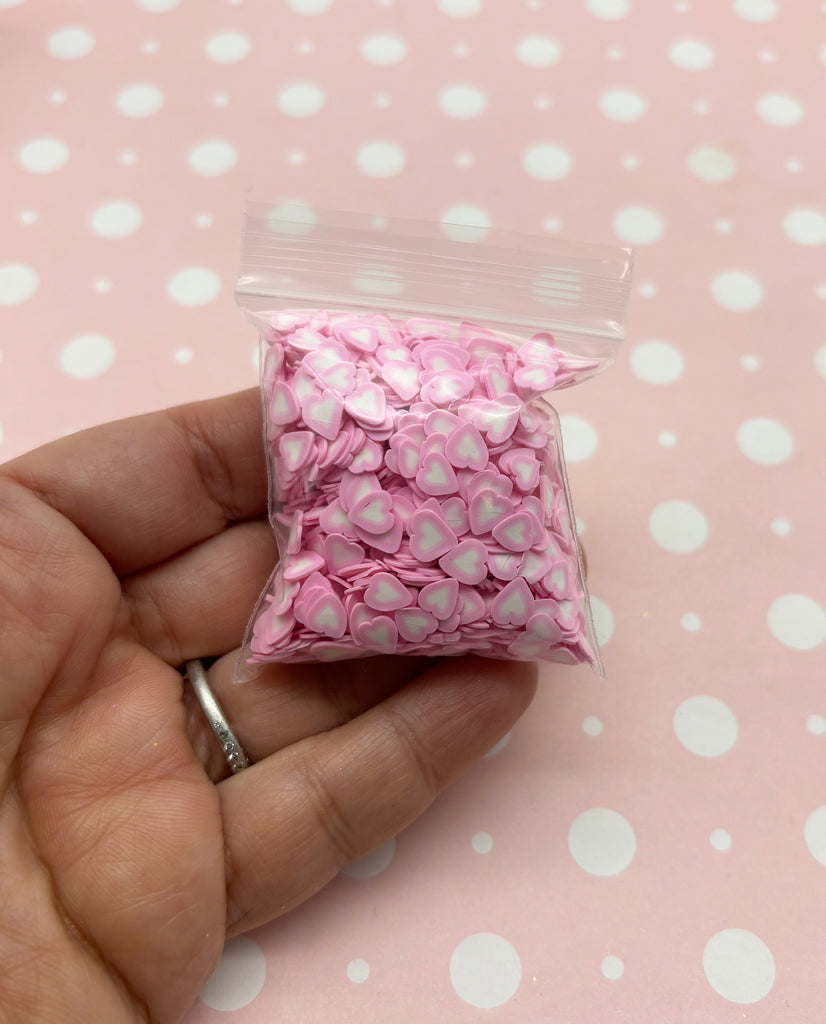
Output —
(417, 486)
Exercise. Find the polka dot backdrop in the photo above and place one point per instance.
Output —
(654, 840)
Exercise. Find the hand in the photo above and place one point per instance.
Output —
(128, 855)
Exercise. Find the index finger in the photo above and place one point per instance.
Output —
(145, 488)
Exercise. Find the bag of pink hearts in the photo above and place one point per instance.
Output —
(417, 485)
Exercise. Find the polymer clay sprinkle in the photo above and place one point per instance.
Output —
(418, 494)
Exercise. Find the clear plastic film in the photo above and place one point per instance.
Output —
(418, 491)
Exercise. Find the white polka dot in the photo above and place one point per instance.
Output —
(622, 105)
(630, 162)
(720, 839)
(128, 157)
(57, 96)
(723, 226)
(194, 286)
(612, 968)
(382, 100)
(310, 7)
(301, 99)
(797, 621)
(203, 220)
(462, 101)
(678, 526)
(542, 102)
(10, 3)
(461, 50)
(764, 441)
(212, 157)
(150, 47)
(87, 356)
(766, 55)
(779, 109)
(117, 219)
(691, 54)
(228, 47)
(739, 966)
(737, 291)
(711, 164)
(306, 47)
(657, 362)
(691, 622)
(756, 10)
(102, 285)
(615, 53)
(219, 99)
(814, 833)
(293, 218)
(700, 107)
(648, 289)
(822, 54)
(547, 161)
(579, 438)
(139, 100)
(499, 746)
(460, 8)
(182, 356)
(780, 527)
(816, 724)
(602, 842)
(820, 291)
(158, 6)
(609, 10)
(705, 726)
(793, 165)
(552, 224)
(384, 50)
(538, 51)
(465, 223)
(358, 971)
(482, 842)
(381, 159)
(43, 155)
(667, 438)
(592, 726)
(71, 43)
(18, 282)
(820, 361)
(238, 978)
(464, 160)
(27, 217)
(638, 225)
(805, 226)
(603, 620)
(750, 363)
(373, 863)
(485, 970)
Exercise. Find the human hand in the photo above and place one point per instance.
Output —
(129, 855)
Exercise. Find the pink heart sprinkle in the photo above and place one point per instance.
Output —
(436, 475)
(284, 407)
(325, 615)
(380, 635)
(447, 387)
(522, 466)
(486, 509)
(472, 606)
(331, 370)
(322, 413)
(430, 536)
(513, 605)
(339, 552)
(456, 514)
(534, 380)
(388, 542)
(334, 519)
(385, 594)
(558, 582)
(305, 339)
(490, 480)
(373, 512)
(367, 404)
(403, 378)
(295, 448)
(439, 358)
(354, 486)
(286, 321)
(535, 565)
(504, 565)
(392, 353)
(440, 421)
(407, 458)
(296, 567)
(440, 598)
(357, 334)
(466, 562)
(368, 459)
(515, 532)
(495, 379)
(465, 448)
(415, 625)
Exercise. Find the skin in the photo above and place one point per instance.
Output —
(128, 855)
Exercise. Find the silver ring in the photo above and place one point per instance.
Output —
(233, 751)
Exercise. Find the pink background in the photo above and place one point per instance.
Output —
(652, 847)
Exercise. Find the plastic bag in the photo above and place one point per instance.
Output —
(417, 484)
